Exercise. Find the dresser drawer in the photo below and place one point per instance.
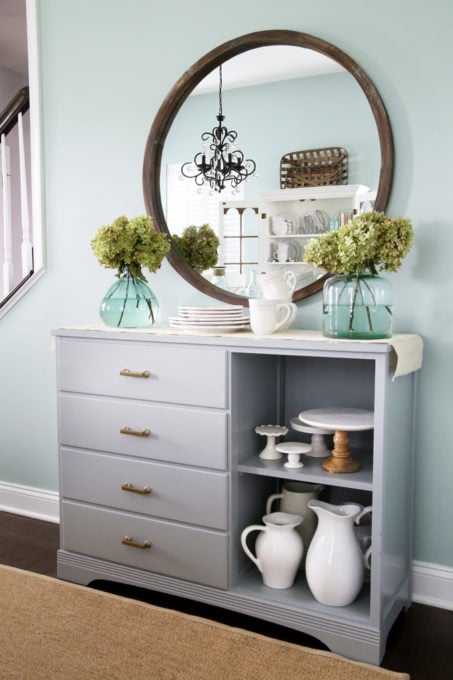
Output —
(172, 374)
(171, 492)
(191, 436)
(185, 552)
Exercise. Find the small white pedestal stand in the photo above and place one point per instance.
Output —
(271, 432)
(342, 421)
(293, 450)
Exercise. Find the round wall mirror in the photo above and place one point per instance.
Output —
(282, 91)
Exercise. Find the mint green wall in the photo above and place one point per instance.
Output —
(106, 66)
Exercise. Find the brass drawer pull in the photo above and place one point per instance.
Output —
(134, 374)
(127, 540)
(127, 486)
(135, 433)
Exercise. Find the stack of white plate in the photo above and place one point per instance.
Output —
(226, 319)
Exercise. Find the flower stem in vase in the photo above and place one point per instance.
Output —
(357, 306)
(123, 306)
(146, 298)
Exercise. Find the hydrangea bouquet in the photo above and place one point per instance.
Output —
(128, 245)
(354, 306)
(372, 242)
(198, 246)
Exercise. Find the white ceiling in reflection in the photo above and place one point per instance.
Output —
(266, 65)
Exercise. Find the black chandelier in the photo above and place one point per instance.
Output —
(220, 161)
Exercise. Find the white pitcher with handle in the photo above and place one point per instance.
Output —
(335, 563)
(294, 498)
(278, 548)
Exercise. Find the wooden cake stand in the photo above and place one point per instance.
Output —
(342, 421)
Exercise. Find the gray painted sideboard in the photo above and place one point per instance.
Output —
(160, 473)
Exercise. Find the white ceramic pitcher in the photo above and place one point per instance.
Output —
(278, 548)
(335, 563)
(294, 499)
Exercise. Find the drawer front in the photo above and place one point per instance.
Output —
(166, 491)
(173, 374)
(176, 550)
(174, 434)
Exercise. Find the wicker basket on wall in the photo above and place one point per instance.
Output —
(314, 168)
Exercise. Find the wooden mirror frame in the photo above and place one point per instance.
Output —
(184, 86)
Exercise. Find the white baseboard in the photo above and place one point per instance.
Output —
(31, 502)
(432, 583)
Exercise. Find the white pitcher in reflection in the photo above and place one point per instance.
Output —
(278, 548)
(277, 284)
(294, 499)
(335, 563)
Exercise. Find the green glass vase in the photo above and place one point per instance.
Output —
(357, 307)
(129, 303)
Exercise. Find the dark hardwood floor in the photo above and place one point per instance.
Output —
(420, 643)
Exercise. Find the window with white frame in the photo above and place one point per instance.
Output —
(193, 205)
(21, 224)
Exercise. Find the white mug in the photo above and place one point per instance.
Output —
(268, 316)
(278, 285)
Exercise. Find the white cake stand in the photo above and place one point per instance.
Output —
(342, 421)
(271, 432)
(293, 450)
(318, 445)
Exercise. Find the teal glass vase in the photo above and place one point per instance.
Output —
(357, 307)
(129, 303)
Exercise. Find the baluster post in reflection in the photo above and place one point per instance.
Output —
(26, 246)
(7, 225)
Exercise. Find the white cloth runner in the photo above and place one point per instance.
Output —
(409, 353)
(408, 347)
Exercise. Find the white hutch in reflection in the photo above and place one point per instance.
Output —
(273, 231)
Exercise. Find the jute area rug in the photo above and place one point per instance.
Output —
(50, 629)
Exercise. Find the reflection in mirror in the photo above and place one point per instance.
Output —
(306, 100)
(220, 163)
(316, 104)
